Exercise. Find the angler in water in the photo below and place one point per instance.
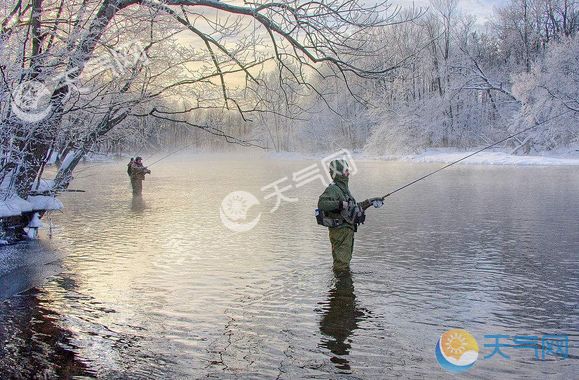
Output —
(137, 173)
(338, 210)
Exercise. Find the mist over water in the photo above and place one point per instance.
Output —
(158, 287)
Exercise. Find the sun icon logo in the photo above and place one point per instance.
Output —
(31, 101)
(236, 206)
(456, 344)
(234, 209)
(456, 350)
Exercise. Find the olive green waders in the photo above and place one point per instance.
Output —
(342, 239)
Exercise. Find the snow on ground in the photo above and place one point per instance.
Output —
(14, 205)
(44, 202)
(45, 185)
(493, 158)
(448, 155)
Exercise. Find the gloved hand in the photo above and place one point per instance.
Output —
(377, 202)
(148, 171)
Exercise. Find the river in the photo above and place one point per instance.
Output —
(159, 287)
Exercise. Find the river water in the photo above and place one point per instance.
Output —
(158, 287)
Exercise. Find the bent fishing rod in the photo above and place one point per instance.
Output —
(472, 154)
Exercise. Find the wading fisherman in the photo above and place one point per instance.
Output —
(338, 210)
(138, 172)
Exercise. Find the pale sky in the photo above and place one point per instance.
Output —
(482, 9)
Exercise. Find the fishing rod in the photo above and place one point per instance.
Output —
(245, 143)
(170, 154)
(148, 166)
(472, 154)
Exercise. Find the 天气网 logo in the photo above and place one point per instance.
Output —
(234, 211)
(456, 350)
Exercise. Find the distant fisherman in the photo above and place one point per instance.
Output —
(137, 172)
(338, 210)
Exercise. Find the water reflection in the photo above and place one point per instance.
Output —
(38, 347)
(27, 265)
(340, 319)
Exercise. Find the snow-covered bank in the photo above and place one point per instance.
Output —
(27, 265)
(13, 205)
(448, 155)
(491, 158)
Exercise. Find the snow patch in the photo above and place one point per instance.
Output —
(566, 157)
(14, 206)
(45, 185)
(68, 159)
(491, 158)
(44, 202)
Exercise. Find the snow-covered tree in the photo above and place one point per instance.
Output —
(550, 96)
(51, 44)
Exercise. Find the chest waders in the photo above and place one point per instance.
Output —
(341, 230)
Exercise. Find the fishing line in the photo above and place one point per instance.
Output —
(170, 154)
(472, 154)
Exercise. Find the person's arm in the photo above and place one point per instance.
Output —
(330, 201)
(365, 204)
(139, 170)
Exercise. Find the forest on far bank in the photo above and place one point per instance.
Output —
(459, 84)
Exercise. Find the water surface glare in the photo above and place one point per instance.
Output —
(158, 288)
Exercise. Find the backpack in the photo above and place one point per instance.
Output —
(130, 168)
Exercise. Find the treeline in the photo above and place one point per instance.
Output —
(457, 84)
(462, 84)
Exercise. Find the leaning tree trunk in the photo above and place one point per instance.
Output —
(35, 140)
(33, 143)
(64, 175)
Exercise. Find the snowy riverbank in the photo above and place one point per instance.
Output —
(564, 157)
(13, 205)
(569, 157)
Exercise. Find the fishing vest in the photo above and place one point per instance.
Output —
(354, 215)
